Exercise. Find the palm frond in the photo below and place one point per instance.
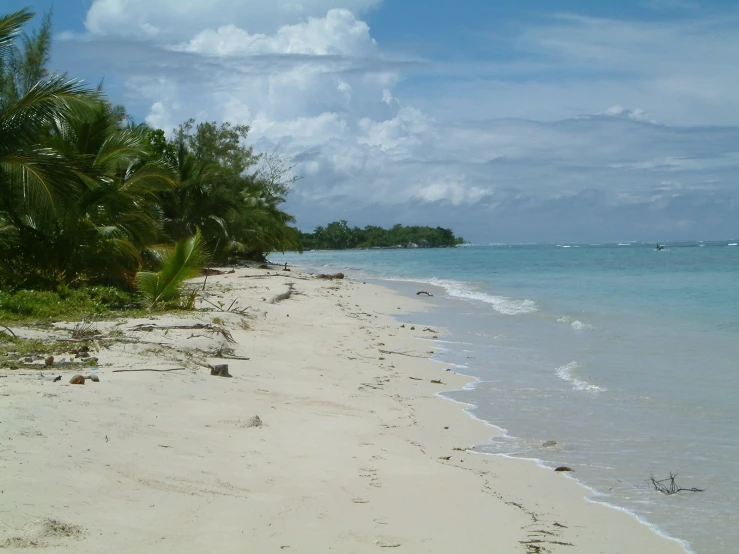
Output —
(10, 28)
(184, 262)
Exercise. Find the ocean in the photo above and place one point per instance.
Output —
(624, 355)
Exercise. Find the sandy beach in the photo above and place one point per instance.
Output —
(330, 438)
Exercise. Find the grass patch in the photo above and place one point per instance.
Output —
(25, 306)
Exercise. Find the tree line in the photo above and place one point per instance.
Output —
(89, 197)
(339, 236)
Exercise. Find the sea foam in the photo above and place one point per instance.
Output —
(565, 373)
(501, 304)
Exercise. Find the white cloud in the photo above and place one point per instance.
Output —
(172, 19)
(339, 33)
(375, 148)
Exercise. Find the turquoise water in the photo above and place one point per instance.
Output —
(626, 356)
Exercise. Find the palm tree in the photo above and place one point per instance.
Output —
(35, 180)
(78, 198)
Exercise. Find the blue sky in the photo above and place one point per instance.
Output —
(545, 121)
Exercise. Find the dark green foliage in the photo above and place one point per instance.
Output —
(89, 198)
(339, 236)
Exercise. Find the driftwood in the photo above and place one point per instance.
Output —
(273, 275)
(661, 485)
(282, 296)
(330, 276)
(220, 370)
(146, 369)
(420, 292)
(206, 326)
(401, 353)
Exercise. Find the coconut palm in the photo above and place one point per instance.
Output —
(35, 179)
(77, 196)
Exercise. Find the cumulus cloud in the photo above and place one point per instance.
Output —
(171, 19)
(512, 153)
(338, 33)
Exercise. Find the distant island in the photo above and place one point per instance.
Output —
(339, 236)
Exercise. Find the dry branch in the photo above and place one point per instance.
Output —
(282, 296)
(205, 326)
(147, 369)
(668, 485)
(401, 353)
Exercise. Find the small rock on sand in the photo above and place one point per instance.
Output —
(77, 380)
(254, 421)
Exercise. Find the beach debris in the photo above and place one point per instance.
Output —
(423, 292)
(400, 353)
(84, 330)
(147, 369)
(549, 443)
(563, 468)
(49, 361)
(447, 458)
(430, 330)
(93, 378)
(254, 421)
(412, 328)
(9, 330)
(415, 378)
(283, 296)
(57, 378)
(205, 326)
(77, 380)
(436, 381)
(360, 501)
(330, 276)
(459, 449)
(668, 485)
(402, 326)
(220, 370)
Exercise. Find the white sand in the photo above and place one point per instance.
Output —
(348, 459)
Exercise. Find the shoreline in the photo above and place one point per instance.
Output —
(351, 455)
(593, 495)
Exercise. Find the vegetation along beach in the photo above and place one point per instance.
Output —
(301, 277)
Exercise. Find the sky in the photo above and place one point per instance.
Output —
(543, 121)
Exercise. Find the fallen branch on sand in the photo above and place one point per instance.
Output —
(9, 330)
(282, 296)
(206, 326)
(401, 353)
(147, 369)
(661, 486)
(273, 275)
